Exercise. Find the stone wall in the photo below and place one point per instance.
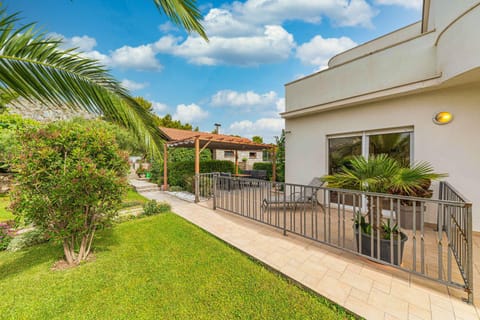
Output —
(6, 180)
(43, 113)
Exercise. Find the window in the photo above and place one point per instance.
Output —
(397, 144)
(252, 155)
(228, 154)
(266, 156)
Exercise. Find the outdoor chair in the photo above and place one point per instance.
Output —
(295, 199)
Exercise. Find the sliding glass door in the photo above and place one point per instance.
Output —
(342, 148)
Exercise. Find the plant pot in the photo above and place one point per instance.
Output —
(384, 247)
(406, 216)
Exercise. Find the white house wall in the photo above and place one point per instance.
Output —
(452, 148)
(379, 43)
(411, 61)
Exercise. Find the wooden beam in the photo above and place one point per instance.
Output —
(206, 145)
(274, 164)
(236, 161)
(165, 167)
(197, 155)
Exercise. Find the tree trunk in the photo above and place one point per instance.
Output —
(69, 252)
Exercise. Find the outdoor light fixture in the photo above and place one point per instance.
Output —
(443, 117)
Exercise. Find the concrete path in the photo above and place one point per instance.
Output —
(371, 290)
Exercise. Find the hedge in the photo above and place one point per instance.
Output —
(264, 166)
(181, 173)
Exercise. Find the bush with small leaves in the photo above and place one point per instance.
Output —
(27, 239)
(153, 207)
(5, 235)
(70, 182)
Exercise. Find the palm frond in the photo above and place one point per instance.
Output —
(184, 13)
(37, 69)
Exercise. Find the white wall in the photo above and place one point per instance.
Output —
(376, 44)
(219, 155)
(452, 148)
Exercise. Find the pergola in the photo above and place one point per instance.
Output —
(202, 140)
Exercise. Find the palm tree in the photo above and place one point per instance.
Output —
(34, 67)
(383, 174)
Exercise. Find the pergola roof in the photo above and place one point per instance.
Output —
(186, 139)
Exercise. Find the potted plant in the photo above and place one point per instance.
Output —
(381, 174)
(413, 182)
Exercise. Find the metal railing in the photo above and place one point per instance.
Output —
(457, 223)
(431, 238)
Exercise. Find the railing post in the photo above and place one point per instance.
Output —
(284, 209)
(197, 188)
(215, 175)
(469, 253)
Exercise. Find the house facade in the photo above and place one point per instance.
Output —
(383, 97)
(246, 158)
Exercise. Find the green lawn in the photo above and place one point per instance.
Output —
(130, 199)
(132, 196)
(4, 213)
(160, 267)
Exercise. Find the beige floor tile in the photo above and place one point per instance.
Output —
(389, 316)
(419, 312)
(357, 281)
(359, 294)
(386, 288)
(442, 314)
(365, 310)
(333, 289)
(393, 305)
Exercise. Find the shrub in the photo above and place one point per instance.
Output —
(175, 189)
(152, 208)
(70, 183)
(179, 173)
(267, 166)
(5, 236)
(27, 239)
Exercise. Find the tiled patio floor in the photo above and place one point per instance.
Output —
(371, 290)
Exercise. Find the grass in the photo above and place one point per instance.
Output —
(160, 267)
(4, 213)
(134, 196)
(131, 198)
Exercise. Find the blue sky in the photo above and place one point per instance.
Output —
(237, 79)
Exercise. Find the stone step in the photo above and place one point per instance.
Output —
(147, 188)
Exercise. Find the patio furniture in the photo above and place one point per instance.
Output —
(307, 196)
(256, 174)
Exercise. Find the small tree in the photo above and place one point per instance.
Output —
(70, 182)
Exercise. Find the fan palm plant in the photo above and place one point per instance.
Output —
(383, 174)
(34, 67)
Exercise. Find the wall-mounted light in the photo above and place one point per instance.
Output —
(443, 117)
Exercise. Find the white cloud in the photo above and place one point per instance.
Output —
(167, 27)
(82, 43)
(221, 22)
(231, 98)
(342, 12)
(280, 104)
(274, 45)
(132, 85)
(159, 108)
(264, 127)
(189, 113)
(319, 50)
(139, 58)
(411, 4)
